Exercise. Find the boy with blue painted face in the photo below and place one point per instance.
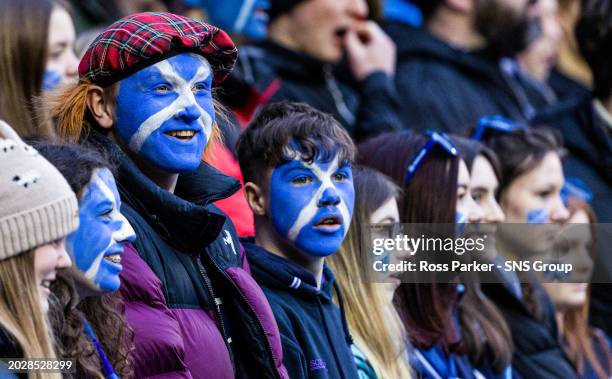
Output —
(145, 98)
(296, 163)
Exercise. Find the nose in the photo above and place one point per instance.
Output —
(358, 9)
(559, 212)
(495, 213)
(63, 259)
(190, 113)
(329, 198)
(126, 233)
(474, 211)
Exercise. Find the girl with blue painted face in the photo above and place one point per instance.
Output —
(529, 193)
(96, 247)
(485, 332)
(37, 38)
(530, 189)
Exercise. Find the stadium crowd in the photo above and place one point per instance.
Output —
(188, 187)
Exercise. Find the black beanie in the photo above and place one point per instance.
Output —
(280, 7)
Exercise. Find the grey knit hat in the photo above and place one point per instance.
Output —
(37, 206)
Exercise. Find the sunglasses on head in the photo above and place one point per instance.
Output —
(438, 139)
(496, 124)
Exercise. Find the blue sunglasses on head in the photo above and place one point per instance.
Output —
(498, 124)
(435, 139)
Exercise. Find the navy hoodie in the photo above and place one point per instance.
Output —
(314, 333)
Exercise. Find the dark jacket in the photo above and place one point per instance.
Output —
(445, 88)
(537, 349)
(194, 307)
(316, 341)
(9, 349)
(566, 87)
(267, 72)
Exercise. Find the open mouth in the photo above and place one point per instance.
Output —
(182, 134)
(113, 258)
(329, 224)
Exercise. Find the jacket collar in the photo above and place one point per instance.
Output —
(277, 272)
(182, 218)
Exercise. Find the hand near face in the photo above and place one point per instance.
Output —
(165, 112)
(311, 204)
(369, 50)
(96, 246)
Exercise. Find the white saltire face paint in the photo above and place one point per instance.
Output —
(165, 112)
(311, 204)
(103, 231)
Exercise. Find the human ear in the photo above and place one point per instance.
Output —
(100, 109)
(255, 198)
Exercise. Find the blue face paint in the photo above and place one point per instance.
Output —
(460, 222)
(103, 231)
(311, 204)
(577, 188)
(170, 97)
(537, 216)
(51, 80)
(245, 17)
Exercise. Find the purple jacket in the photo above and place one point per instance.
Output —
(195, 310)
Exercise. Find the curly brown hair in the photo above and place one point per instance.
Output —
(105, 314)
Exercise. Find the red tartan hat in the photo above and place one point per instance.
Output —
(143, 39)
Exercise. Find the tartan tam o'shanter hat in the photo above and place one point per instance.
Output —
(143, 39)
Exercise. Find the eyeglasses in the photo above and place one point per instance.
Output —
(435, 139)
(498, 124)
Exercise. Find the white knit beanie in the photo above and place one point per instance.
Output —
(37, 206)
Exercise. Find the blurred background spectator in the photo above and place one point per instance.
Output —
(37, 55)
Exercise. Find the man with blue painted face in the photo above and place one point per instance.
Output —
(145, 98)
(296, 162)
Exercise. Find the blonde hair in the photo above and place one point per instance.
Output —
(21, 313)
(373, 322)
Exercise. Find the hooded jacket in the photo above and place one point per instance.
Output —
(195, 310)
(314, 332)
(267, 72)
(445, 88)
